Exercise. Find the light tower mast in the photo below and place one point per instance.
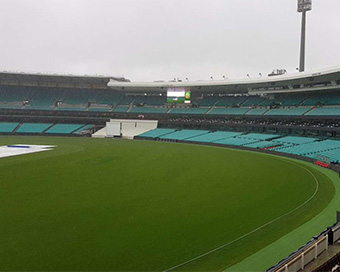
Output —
(303, 7)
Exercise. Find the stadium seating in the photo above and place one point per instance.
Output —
(258, 136)
(106, 97)
(268, 102)
(207, 101)
(100, 109)
(43, 99)
(80, 130)
(288, 111)
(214, 136)
(333, 155)
(148, 110)
(295, 140)
(150, 100)
(236, 141)
(13, 94)
(292, 101)
(73, 108)
(256, 112)
(324, 111)
(33, 127)
(15, 105)
(184, 134)
(121, 109)
(78, 96)
(228, 111)
(155, 133)
(229, 101)
(317, 147)
(189, 110)
(303, 146)
(322, 100)
(64, 128)
(253, 101)
(126, 100)
(263, 144)
(8, 127)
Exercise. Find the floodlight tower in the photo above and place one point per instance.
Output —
(303, 7)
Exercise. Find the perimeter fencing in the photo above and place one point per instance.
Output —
(309, 252)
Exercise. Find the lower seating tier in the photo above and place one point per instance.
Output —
(302, 146)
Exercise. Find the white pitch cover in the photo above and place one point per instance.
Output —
(22, 149)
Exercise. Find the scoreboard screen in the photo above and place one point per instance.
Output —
(178, 95)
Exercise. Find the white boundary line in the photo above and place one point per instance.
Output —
(254, 230)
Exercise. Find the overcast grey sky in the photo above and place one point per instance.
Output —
(147, 40)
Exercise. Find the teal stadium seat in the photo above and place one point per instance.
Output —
(71, 108)
(292, 101)
(325, 111)
(189, 110)
(215, 136)
(150, 100)
(87, 127)
(78, 96)
(126, 100)
(121, 109)
(229, 101)
(13, 94)
(184, 134)
(107, 97)
(295, 140)
(43, 99)
(155, 133)
(288, 111)
(150, 110)
(236, 141)
(8, 127)
(64, 128)
(259, 136)
(207, 101)
(229, 111)
(33, 127)
(252, 101)
(100, 109)
(257, 112)
(262, 144)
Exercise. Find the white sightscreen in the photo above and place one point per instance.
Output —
(112, 129)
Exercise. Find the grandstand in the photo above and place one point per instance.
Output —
(290, 115)
(304, 104)
(301, 146)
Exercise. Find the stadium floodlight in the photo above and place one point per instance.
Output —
(303, 6)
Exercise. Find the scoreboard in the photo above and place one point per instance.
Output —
(178, 95)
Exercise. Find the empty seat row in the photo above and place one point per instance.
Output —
(48, 128)
(302, 146)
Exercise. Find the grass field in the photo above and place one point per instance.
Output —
(100, 204)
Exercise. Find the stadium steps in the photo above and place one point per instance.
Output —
(16, 129)
(255, 111)
(8, 127)
(210, 109)
(44, 131)
(306, 113)
(157, 132)
(64, 128)
(130, 107)
(85, 127)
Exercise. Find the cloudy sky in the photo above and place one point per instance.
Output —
(147, 40)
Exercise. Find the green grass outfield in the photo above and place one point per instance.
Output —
(101, 204)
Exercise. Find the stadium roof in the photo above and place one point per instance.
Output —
(56, 80)
(327, 79)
